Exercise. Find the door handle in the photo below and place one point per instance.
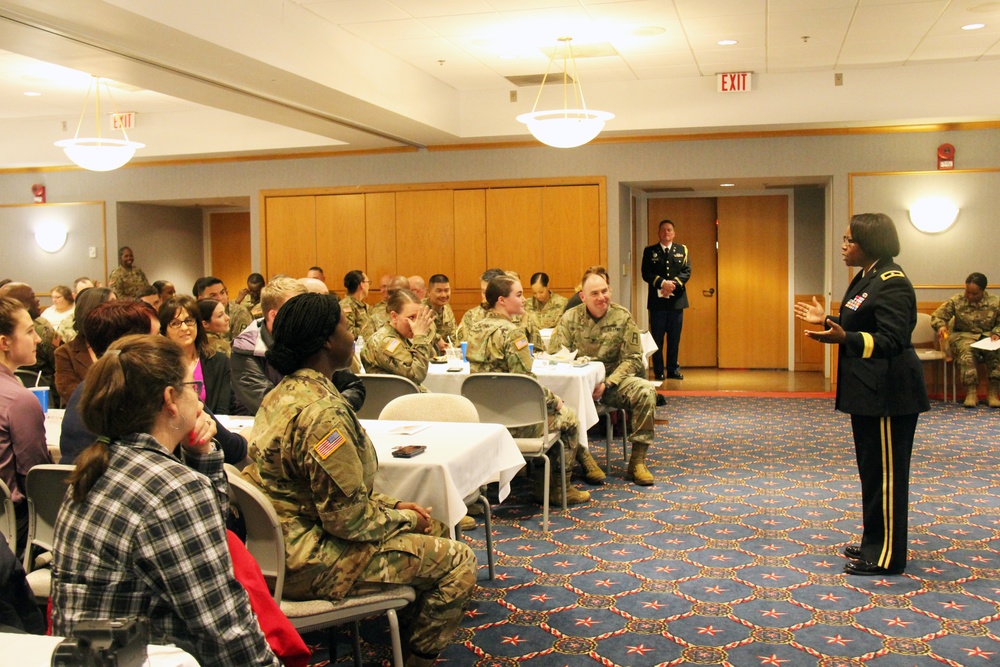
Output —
(708, 292)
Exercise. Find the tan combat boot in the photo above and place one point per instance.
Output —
(574, 496)
(592, 473)
(637, 471)
(994, 396)
(971, 395)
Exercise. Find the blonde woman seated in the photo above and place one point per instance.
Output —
(405, 344)
(497, 345)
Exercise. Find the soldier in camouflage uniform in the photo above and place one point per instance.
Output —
(497, 345)
(315, 462)
(353, 305)
(606, 332)
(476, 313)
(438, 296)
(379, 313)
(977, 316)
(126, 281)
(403, 346)
(545, 313)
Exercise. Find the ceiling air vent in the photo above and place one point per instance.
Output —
(525, 80)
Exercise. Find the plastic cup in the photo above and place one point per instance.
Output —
(465, 347)
(531, 349)
(42, 394)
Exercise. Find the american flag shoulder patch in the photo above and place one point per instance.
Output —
(391, 346)
(329, 444)
(521, 343)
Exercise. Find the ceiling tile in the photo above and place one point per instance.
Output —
(350, 11)
(670, 72)
(426, 8)
(689, 9)
(382, 31)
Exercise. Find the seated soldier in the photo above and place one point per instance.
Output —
(545, 307)
(606, 332)
(977, 316)
(379, 314)
(403, 345)
(437, 299)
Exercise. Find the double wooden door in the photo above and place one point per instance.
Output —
(738, 292)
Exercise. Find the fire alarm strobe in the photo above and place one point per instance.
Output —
(946, 156)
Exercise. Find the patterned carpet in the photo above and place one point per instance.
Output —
(733, 557)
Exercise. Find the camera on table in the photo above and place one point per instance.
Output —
(115, 643)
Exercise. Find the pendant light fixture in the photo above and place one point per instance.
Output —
(100, 153)
(566, 127)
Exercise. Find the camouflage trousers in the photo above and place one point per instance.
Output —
(966, 356)
(443, 572)
(639, 398)
(563, 419)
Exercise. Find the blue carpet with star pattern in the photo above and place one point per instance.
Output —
(734, 558)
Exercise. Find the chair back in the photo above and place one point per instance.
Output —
(509, 399)
(265, 541)
(27, 378)
(45, 489)
(430, 408)
(8, 522)
(923, 332)
(380, 389)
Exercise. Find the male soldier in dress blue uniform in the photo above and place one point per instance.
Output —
(666, 268)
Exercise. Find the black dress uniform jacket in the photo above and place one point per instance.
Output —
(658, 266)
(879, 374)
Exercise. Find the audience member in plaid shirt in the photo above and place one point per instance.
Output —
(141, 533)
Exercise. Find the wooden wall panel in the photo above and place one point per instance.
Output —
(570, 235)
(425, 233)
(290, 235)
(470, 239)
(340, 237)
(514, 230)
(230, 239)
(808, 353)
(753, 282)
(380, 238)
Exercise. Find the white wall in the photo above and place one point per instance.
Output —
(167, 241)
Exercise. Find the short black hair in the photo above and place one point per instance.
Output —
(665, 221)
(540, 277)
(204, 283)
(978, 279)
(490, 274)
(353, 280)
(256, 279)
(438, 278)
(876, 234)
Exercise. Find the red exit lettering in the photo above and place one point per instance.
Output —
(734, 82)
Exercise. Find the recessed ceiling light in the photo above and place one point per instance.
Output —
(727, 185)
(726, 42)
(649, 31)
(973, 26)
(31, 93)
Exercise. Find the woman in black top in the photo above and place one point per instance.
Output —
(880, 383)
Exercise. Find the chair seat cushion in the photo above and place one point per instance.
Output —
(929, 355)
(41, 583)
(391, 597)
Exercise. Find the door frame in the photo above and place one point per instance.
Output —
(640, 313)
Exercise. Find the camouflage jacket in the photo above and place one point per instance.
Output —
(239, 319)
(982, 318)
(127, 283)
(546, 315)
(389, 352)
(356, 312)
(613, 340)
(444, 322)
(472, 315)
(378, 315)
(498, 345)
(45, 358)
(315, 462)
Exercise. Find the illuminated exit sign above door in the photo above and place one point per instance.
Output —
(734, 82)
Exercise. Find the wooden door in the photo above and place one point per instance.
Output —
(289, 236)
(753, 282)
(340, 237)
(425, 233)
(514, 230)
(570, 235)
(230, 239)
(694, 221)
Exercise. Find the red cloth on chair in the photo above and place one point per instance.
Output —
(284, 639)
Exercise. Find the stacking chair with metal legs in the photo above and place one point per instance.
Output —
(923, 333)
(606, 412)
(445, 408)
(44, 489)
(518, 400)
(380, 389)
(266, 544)
(8, 522)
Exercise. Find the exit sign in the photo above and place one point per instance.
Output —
(123, 121)
(734, 82)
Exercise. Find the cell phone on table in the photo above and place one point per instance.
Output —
(408, 451)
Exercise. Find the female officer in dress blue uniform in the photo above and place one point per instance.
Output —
(880, 384)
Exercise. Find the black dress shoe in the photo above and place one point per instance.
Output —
(865, 569)
(658, 376)
(661, 400)
(675, 376)
(853, 552)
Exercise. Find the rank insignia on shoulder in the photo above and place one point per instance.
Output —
(521, 343)
(892, 274)
(329, 444)
(635, 339)
(391, 346)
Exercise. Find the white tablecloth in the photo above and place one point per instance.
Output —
(460, 458)
(575, 386)
(648, 344)
(36, 651)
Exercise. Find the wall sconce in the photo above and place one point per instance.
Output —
(933, 214)
(50, 236)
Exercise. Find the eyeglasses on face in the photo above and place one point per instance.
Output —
(197, 385)
(190, 323)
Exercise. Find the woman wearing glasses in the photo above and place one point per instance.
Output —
(180, 321)
(140, 531)
(880, 384)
